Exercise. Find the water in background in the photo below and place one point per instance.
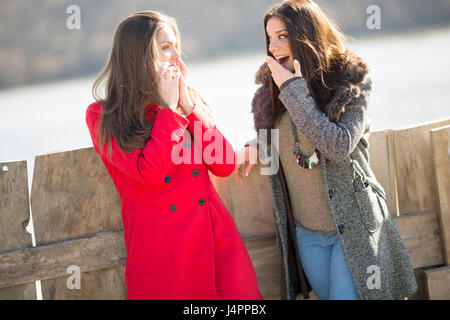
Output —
(410, 74)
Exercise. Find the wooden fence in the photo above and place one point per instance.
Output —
(78, 225)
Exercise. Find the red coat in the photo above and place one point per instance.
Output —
(182, 242)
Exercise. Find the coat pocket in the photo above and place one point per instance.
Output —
(149, 249)
(360, 177)
(372, 208)
(371, 199)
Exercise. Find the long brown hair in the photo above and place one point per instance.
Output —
(130, 78)
(316, 42)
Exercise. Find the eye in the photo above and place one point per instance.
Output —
(283, 36)
(165, 47)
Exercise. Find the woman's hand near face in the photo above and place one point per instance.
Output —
(280, 74)
(169, 78)
(185, 101)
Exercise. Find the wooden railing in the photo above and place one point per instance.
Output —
(78, 224)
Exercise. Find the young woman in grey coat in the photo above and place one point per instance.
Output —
(334, 230)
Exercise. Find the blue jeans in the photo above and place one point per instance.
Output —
(324, 265)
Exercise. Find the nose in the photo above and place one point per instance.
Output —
(175, 55)
(273, 47)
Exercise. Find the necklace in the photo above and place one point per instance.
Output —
(302, 160)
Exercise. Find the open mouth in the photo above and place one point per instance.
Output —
(283, 60)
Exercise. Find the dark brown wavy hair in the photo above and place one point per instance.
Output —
(316, 42)
(130, 79)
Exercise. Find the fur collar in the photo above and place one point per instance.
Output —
(347, 87)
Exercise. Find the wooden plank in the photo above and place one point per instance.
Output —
(438, 283)
(14, 206)
(14, 217)
(267, 263)
(97, 254)
(415, 178)
(103, 284)
(382, 162)
(441, 165)
(73, 195)
(252, 203)
(422, 238)
(51, 261)
(421, 292)
(21, 292)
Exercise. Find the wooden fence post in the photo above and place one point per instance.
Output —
(414, 169)
(14, 217)
(73, 197)
(382, 162)
(441, 160)
(438, 279)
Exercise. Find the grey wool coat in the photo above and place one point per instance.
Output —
(371, 243)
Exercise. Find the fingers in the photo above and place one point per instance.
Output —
(183, 68)
(248, 169)
(246, 154)
(183, 73)
(274, 68)
(162, 66)
(183, 65)
(273, 64)
(162, 71)
(236, 171)
(297, 69)
(170, 73)
(165, 69)
(169, 86)
(279, 73)
(182, 81)
(176, 75)
(240, 159)
(159, 65)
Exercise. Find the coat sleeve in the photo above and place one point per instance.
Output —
(334, 140)
(218, 153)
(148, 165)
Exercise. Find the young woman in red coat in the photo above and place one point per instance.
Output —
(155, 137)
